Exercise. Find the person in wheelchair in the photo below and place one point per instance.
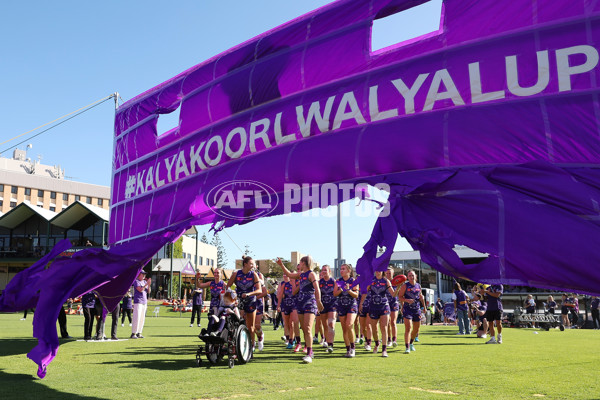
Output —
(227, 306)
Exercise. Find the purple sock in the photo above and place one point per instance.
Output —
(384, 347)
(347, 348)
(352, 346)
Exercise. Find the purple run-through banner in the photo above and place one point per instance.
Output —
(486, 132)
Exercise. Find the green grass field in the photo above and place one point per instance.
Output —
(551, 365)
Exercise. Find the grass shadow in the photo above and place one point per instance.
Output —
(23, 386)
(158, 365)
(15, 346)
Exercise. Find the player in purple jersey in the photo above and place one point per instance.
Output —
(309, 300)
(379, 308)
(327, 286)
(287, 306)
(394, 308)
(494, 312)
(346, 291)
(216, 287)
(247, 286)
(411, 297)
(260, 310)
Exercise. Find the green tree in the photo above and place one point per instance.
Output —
(175, 287)
(177, 249)
(221, 254)
(274, 270)
(204, 239)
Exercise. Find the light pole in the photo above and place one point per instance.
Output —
(339, 260)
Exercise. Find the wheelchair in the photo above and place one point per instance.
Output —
(234, 342)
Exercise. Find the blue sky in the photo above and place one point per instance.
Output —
(60, 56)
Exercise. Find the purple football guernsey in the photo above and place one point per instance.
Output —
(288, 303)
(378, 303)
(346, 304)
(412, 292)
(327, 298)
(244, 283)
(215, 293)
(306, 302)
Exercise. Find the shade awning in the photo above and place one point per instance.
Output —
(79, 213)
(22, 213)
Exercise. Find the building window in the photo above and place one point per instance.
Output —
(13, 204)
(200, 262)
(13, 189)
(100, 202)
(77, 197)
(1, 188)
(189, 256)
(53, 195)
(65, 197)
(88, 200)
(183, 255)
(1, 203)
(52, 208)
(40, 193)
(212, 263)
(27, 192)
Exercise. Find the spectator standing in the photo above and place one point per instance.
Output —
(126, 308)
(530, 305)
(141, 288)
(551, 305)
(595, 312)
(88, 302)
(461, 308)
(277, 320)
(197, 303)
(114, 320)
(439, 307)
(573, 304)
(62, 322)
(494, 312)
(564, 311)
(100, 315)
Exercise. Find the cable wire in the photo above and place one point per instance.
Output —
(83, 109)
(225, 232)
